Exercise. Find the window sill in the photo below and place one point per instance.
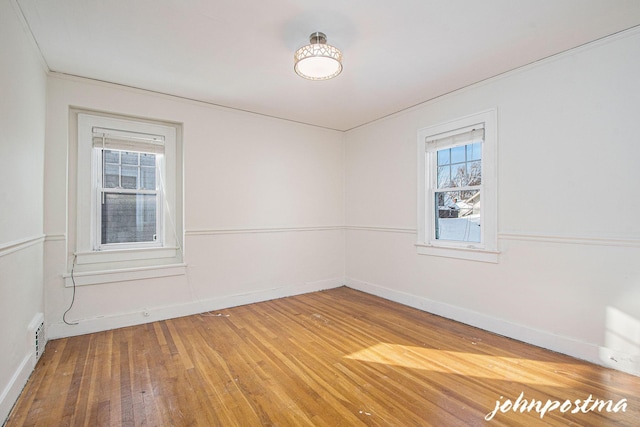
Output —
(117, 255)
(123, 275)
(469, 254)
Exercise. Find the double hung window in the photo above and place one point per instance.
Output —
(128, 189)
(457, 189)
(457, 186)
(128, 198)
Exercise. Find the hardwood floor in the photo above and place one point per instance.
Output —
(333, 358)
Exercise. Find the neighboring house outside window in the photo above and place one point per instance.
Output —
(457, 188)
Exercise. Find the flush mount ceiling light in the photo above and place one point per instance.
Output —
(318, 60)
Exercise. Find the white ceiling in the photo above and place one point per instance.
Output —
(239, 53)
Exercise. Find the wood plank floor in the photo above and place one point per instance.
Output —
(333, 358)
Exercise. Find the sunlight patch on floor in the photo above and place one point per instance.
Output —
(461, 363)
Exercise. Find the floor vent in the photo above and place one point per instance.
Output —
(37, 339)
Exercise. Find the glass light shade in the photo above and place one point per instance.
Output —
(318, 60)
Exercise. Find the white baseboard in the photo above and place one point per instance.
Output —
(12, 391)
(152, 314)
(581, 350)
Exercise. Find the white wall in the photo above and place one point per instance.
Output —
(22, 120)
(264, 209)
(568, 277)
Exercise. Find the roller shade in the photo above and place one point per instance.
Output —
(115, 139)
(462, 136)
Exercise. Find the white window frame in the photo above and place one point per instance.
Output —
(94, 263)
(98, 190)
(487, 249)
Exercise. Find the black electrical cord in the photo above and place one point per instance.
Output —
(73, 298)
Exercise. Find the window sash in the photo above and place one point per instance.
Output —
(100, 193)
(141, 223)
(465, 136)
(458, 223)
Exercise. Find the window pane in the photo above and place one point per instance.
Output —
(457, 154)
(458, 216)
(111, 156)
(147, 159)
(128, 218)
(443, 157)
(111, 176)
(129, 158)
(129, 177)
(444, 176)
(474, 172)
(459, 175)
(147, 178)
(474, 151)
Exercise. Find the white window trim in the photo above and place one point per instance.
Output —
(93, 265)
(487, 250)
